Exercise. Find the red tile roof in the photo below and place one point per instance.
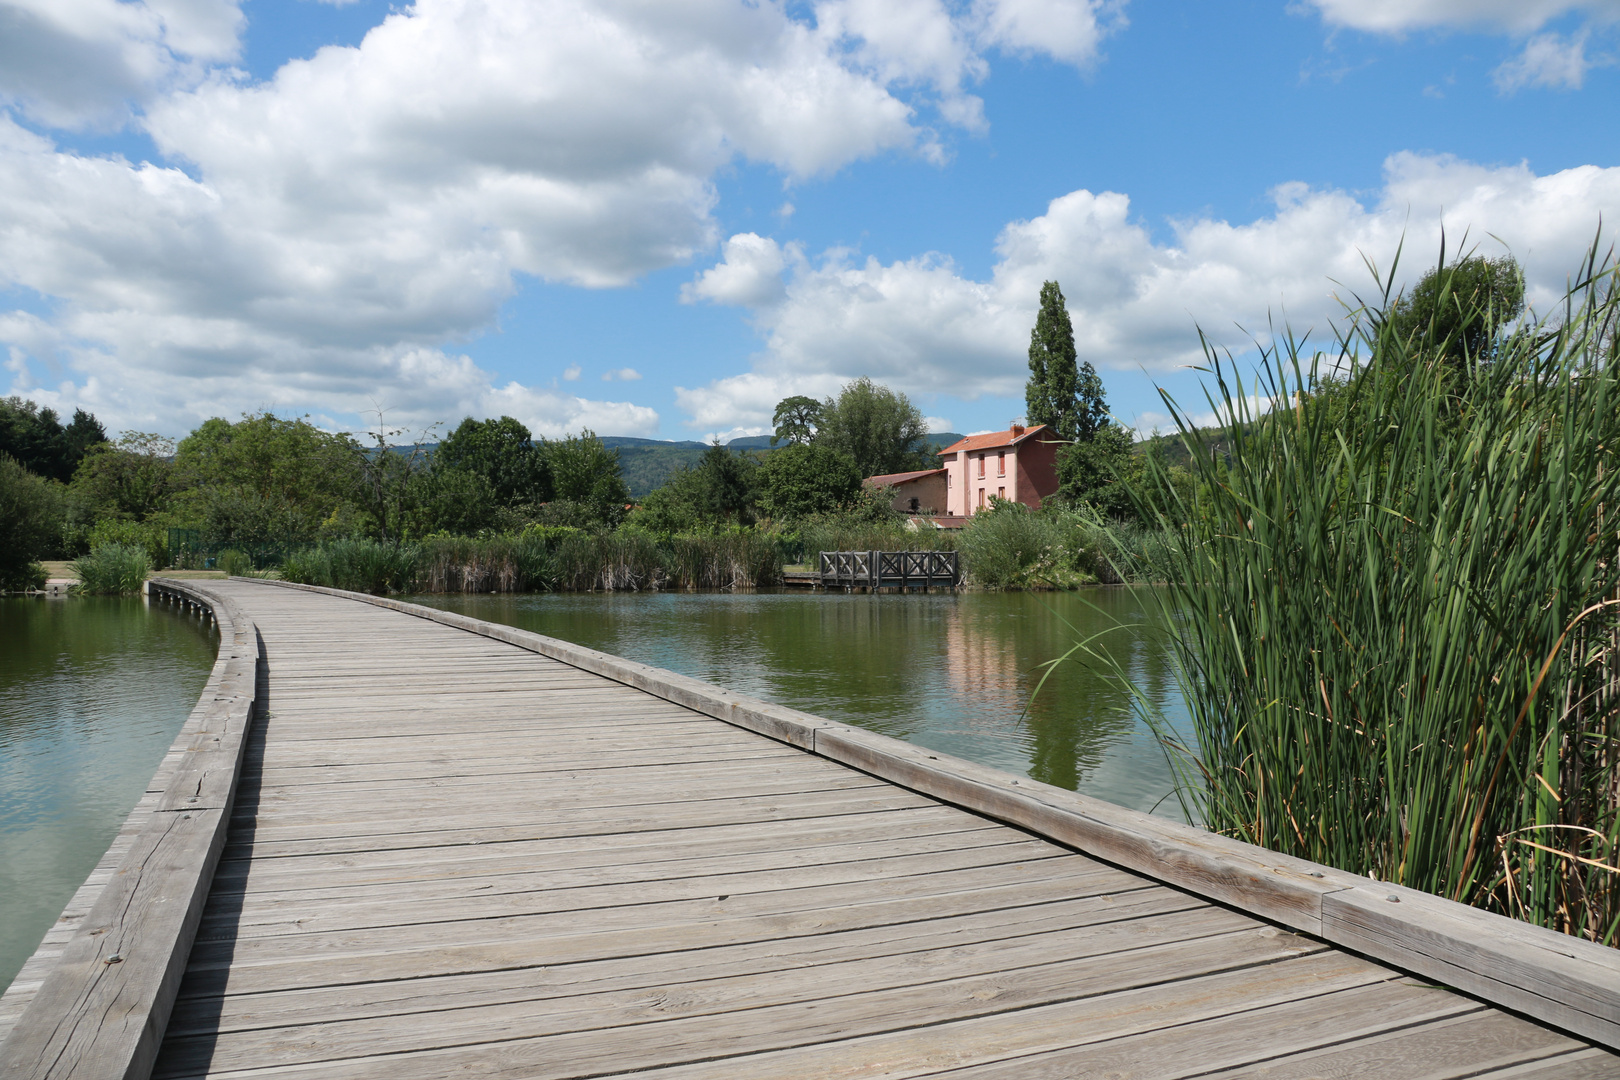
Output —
(993, 438)
(890, 479)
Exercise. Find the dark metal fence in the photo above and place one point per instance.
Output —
(189, 551)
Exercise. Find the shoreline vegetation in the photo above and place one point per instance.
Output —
(1399, 598)
(488, 507)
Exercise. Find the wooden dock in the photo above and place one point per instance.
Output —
(874, 570)
(456, 849)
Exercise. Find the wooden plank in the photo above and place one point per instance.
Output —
(1476, 1044)
(568, 937)
(989, 1015)
(376, 901)
(859, 995)
(1572, 983)
(1244, 1039)
(1590, 1064)
(369, 831)
(1134, 920)
(102, 1010)
(475, 918)
(784, 839)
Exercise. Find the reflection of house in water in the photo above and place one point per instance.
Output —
(983, 667)
(1067, 729)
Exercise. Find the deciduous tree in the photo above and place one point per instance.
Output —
(880, 430)
(504, 454)
(30, 524)
(265, 478)
(1456, 311)
(796, 420)
(805, 479)
(586, 474)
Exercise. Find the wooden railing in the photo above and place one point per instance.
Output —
(101, 1009)
(891, 569)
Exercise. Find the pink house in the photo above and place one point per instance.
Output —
(1019, 464)
(921, 492)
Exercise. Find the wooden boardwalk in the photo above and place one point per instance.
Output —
(450, 856)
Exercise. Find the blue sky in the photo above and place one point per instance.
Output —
(659, 219)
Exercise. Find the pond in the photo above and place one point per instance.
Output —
(92, 692)
(950, 671)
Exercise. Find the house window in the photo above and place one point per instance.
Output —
(1001, 493)
(1001, 463)
(981, 495)
(981, 466)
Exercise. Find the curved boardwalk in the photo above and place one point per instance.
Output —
(450, 856)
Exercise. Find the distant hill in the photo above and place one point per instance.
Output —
(647, 463)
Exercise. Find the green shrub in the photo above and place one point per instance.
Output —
(152, 538)
(112, 568)
(1009, 546)
(235, 563)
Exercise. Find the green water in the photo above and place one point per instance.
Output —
(92, 692)
(952, 672)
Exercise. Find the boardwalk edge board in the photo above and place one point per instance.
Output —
(101, 1010)
(1561, 980)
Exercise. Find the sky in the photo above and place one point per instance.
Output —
(660, 217)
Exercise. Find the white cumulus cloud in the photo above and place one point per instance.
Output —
(1548, 60)
(1514, 16)
(324, 234)
(85, 63)
(923, 327)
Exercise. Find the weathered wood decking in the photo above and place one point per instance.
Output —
(451, 856)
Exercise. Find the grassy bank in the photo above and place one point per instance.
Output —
(1399, 610)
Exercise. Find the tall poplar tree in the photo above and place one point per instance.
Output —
(1067, 396)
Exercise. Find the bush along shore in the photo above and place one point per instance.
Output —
(1400, 620)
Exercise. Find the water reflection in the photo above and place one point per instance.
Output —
(953, 672)
(92, 692)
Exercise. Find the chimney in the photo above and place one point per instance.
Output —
(1017, 430)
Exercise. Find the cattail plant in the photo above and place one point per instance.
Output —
(1396, 593)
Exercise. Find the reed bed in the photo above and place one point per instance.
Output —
(740, 559)
(1398, 613)
(118, 569)
(356, 565)
(544, 559)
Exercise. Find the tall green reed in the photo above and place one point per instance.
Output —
(356, 565)
(112, 568)
(1398, 622)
